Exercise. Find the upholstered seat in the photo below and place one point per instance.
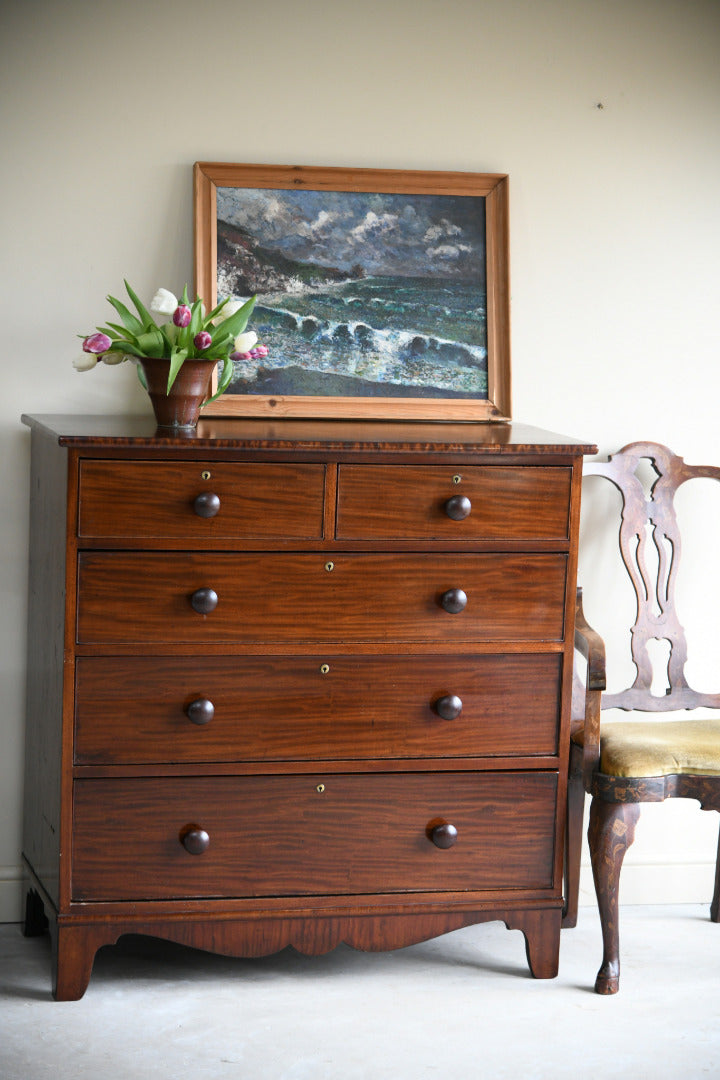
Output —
(658, 747)
(624, 763)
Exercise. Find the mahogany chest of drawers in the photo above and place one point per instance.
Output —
(297, 682)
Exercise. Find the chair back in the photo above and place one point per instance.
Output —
(643, 518)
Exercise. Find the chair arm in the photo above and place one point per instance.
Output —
(590, 645)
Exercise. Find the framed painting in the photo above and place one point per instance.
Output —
(380, 294)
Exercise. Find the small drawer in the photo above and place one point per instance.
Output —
(478, 502)
(252, 708)
(199, 502)
(142, 597)
(233, 836)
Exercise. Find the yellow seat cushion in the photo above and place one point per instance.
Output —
(658, 748)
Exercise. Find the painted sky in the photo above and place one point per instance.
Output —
(413, 235)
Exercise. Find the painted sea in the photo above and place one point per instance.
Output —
(358, 294)
(377, 336)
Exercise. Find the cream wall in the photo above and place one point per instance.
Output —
(614, 223)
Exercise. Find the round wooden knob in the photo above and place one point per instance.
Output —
(206, 504)
(204, 601)
(453, 601)
(194, 839)
(200, 711)
(444, 835)
(448, 707)
(458, 507)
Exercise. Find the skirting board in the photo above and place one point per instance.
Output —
(676, 883)
(11, 897)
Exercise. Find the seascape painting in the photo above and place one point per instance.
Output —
(359, 294)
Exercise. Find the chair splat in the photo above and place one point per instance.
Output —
(652, 518)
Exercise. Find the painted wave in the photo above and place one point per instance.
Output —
(384, 333)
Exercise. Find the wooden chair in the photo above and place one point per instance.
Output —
(622, 764)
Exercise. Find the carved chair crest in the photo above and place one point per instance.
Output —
(652, 518)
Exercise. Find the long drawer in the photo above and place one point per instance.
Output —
(251, 708)
(425, 502)
(304, 835)
(200, 501)
(141, 598)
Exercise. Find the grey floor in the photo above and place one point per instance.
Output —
(461, 1006)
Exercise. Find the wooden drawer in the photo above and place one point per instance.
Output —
(140, 598)
(146, 499)
(414, 502)
(139, 709)
(319, 834)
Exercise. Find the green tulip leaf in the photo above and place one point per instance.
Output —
(216, 311)
(116, 332)
(221, 347)
(130, 321)
(177, 358)
(152, 343)
(196, 320)
(237, 322)
(143, 312)
(168, 333)
(223, 381)
(130, 347)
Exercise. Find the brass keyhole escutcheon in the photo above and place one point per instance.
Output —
(324, 669)
(456, 478)
(205, 474)
(320, 789)
(329, 566)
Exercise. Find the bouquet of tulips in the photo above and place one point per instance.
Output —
(189, 334)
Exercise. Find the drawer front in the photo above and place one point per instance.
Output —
(320, 834)
(200, 501)
(439, 503)
(164, 709)
(128, 597)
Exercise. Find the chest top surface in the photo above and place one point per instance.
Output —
(313, 437)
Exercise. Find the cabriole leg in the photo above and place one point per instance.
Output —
(611, 832)
(715, 905)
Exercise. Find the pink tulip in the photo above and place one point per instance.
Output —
(203, 340)
(240, 356)
(96, 343)
(182, 315)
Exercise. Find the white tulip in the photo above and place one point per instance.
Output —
(245, 342)
(229, 309)
(164, 302)
(85, 362)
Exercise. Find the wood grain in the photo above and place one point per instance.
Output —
(120, 499)
(145, 598)
(322, 833)
(320, 767)
(133, 709)
(410, 502)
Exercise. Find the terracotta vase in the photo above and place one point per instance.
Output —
(179, 410)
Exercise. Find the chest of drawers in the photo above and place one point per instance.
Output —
(297, 683)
